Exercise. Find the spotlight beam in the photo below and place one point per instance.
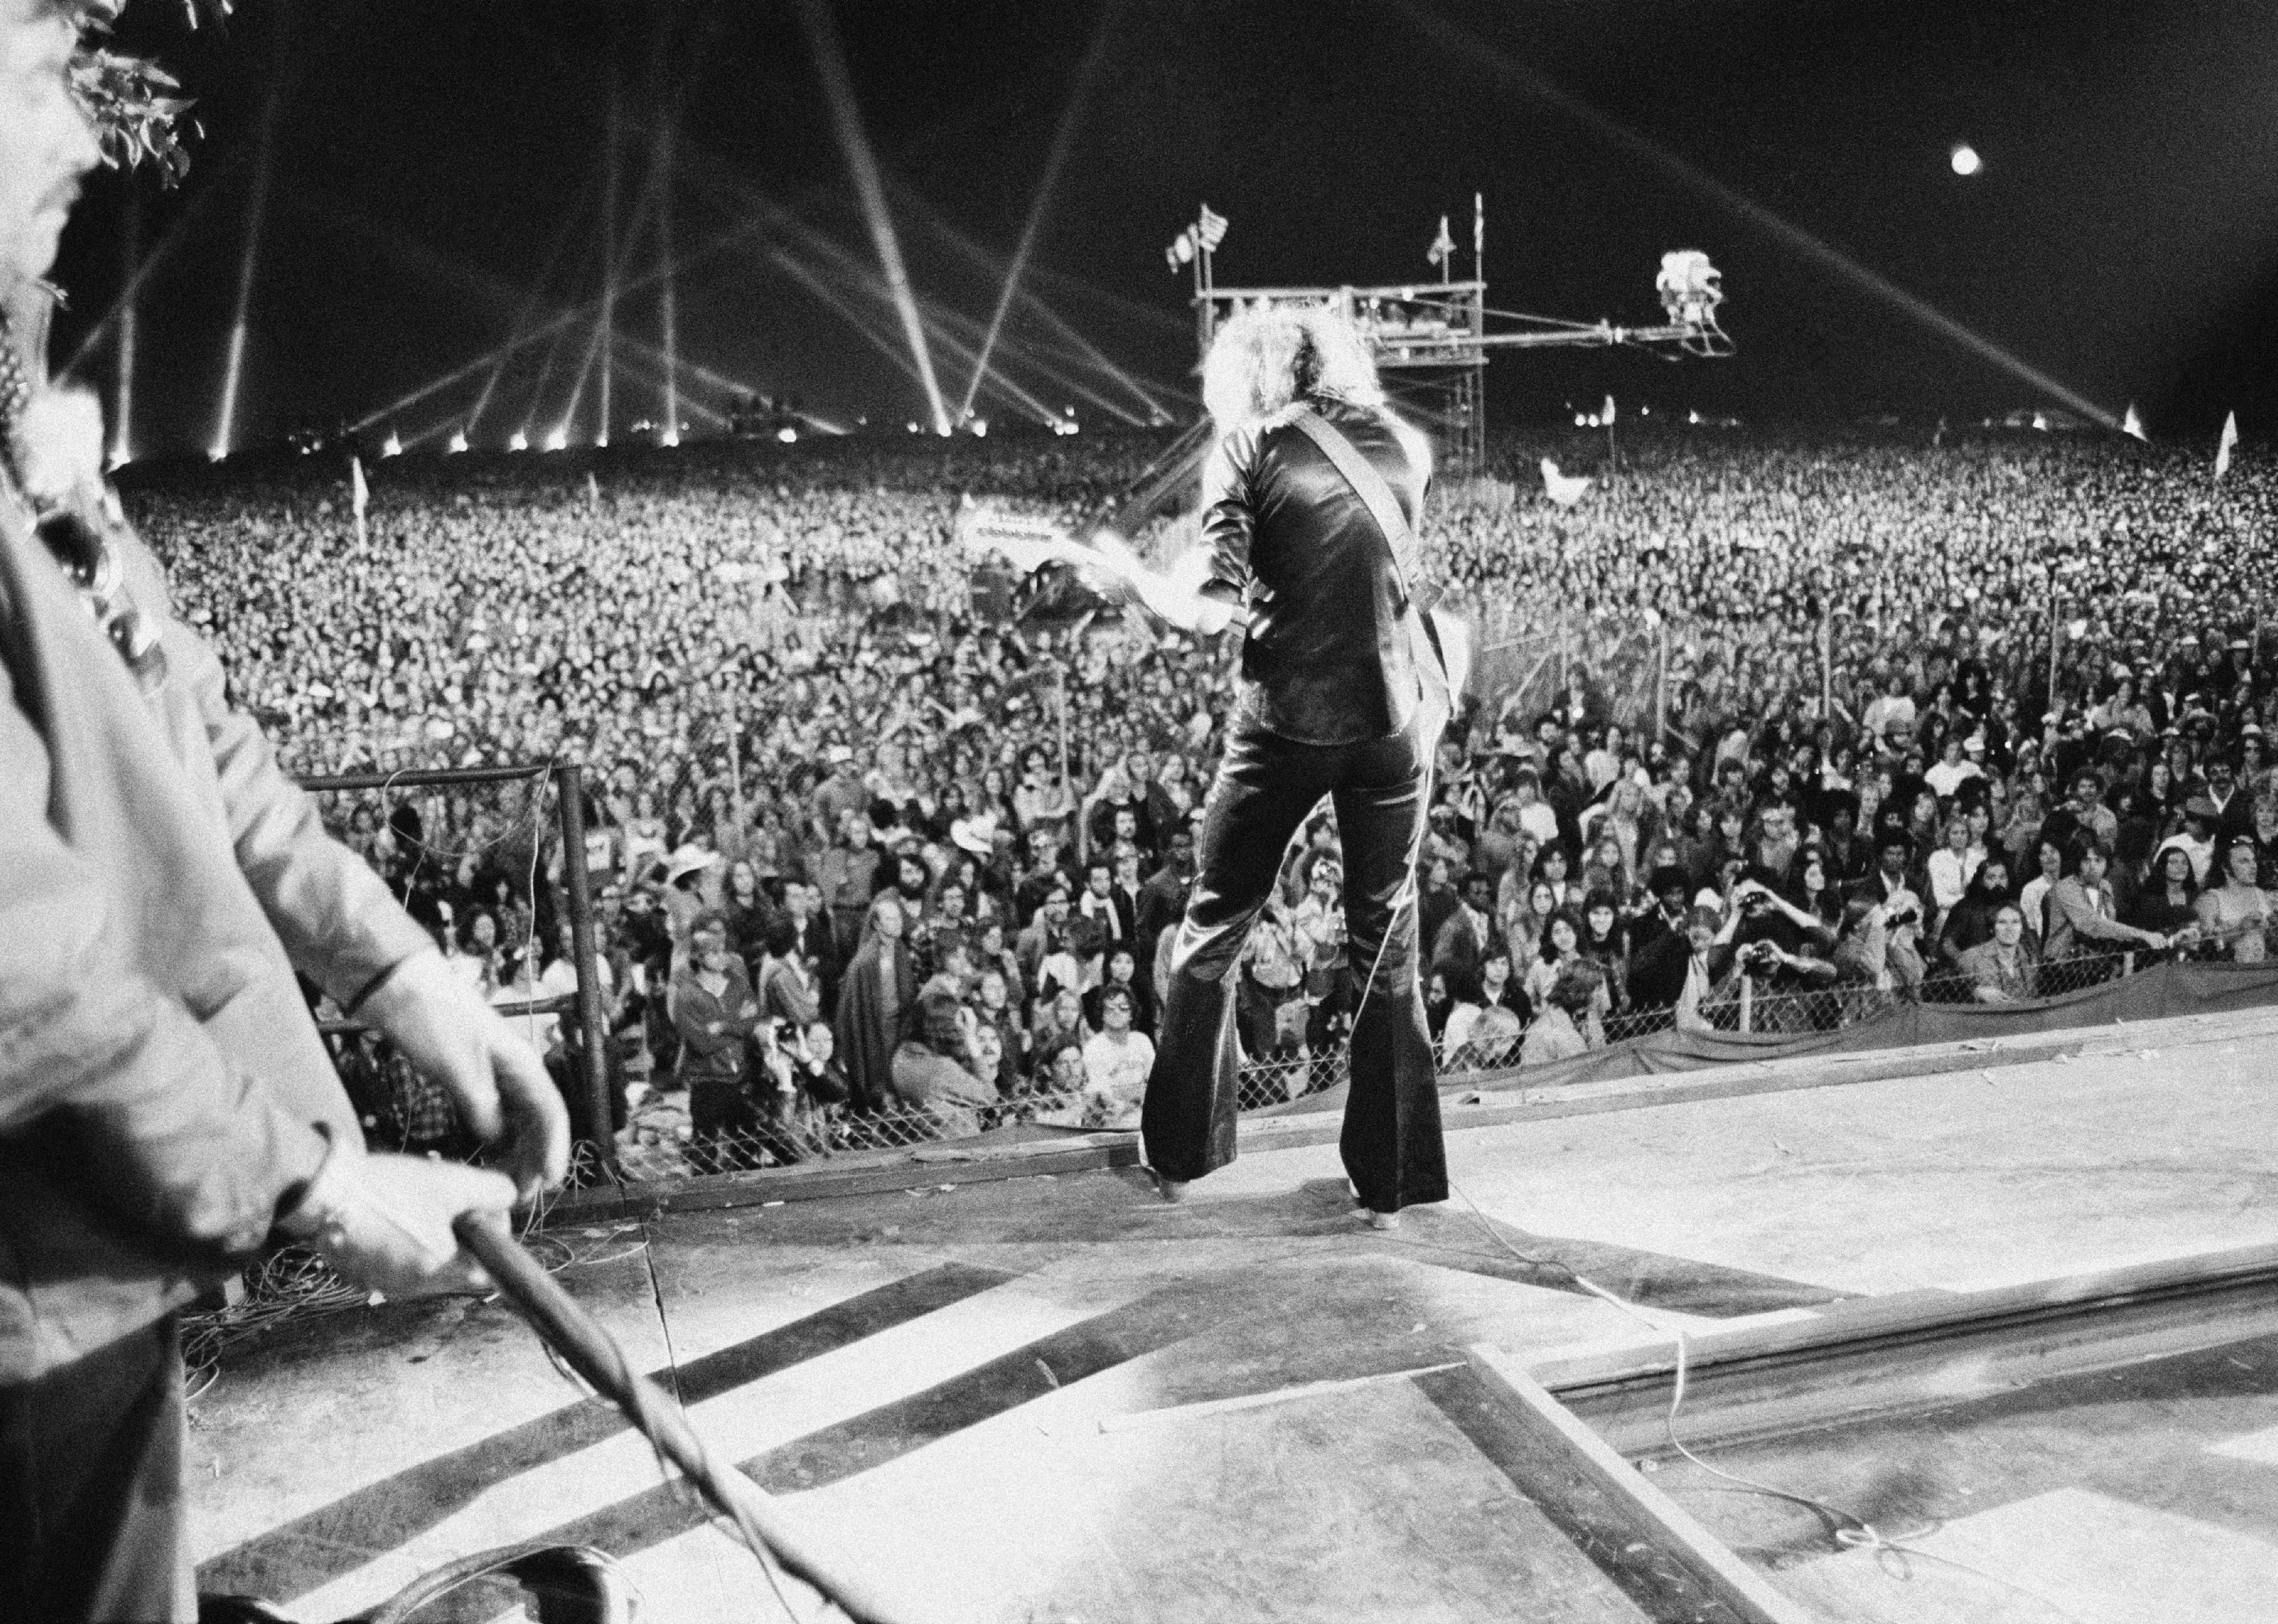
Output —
(122, 399)
(461, 276)
(973, 251)
(257, 213)
(1456, 36)
(529, 309)
(946, 321)
(739, 198)
(217, 184)
(847, 119)
(1055, 159)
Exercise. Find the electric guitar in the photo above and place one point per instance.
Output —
(1029, 543)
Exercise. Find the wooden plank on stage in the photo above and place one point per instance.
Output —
(1669, 1525)
(1889, 1354)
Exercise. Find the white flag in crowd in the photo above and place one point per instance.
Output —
(359, 492)
(2227, 444)
(1564, 489)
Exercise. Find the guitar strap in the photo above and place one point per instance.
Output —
(1428, 646)
(1372, 488)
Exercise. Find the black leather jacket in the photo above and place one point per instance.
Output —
(1326, 659)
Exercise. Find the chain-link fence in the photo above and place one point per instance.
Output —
(490, 856)
(665, 1138)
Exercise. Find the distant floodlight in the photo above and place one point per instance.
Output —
(458, 440)
(559, 440)
(392, 446)
(980, 426)
(1966, 161)
(519, 442)
(787, 434)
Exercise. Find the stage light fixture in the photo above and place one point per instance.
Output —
(458, 441)
(559, 440)
(392, 446)
(520, 441)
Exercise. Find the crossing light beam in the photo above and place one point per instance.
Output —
(847, 121)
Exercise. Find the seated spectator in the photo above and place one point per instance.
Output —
(934, 1081)
(2234, 917)
(1116, 1058)
(1568, 1024)
(2004, 968)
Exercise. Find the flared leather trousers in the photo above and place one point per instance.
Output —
(1265, 787)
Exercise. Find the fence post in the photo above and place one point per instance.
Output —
(569, 788)
(1747, 1003)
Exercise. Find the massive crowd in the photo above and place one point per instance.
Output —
(1826, 721)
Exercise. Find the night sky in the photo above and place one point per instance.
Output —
(436, 171)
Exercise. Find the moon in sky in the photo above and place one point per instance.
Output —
(1966, 161)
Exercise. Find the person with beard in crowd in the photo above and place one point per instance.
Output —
(877, 1002)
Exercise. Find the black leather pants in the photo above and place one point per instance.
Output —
(1265, 787)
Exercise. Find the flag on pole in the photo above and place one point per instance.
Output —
(2132, 424)
(1443, 246)
(2225, 444)
(1211, 226)
(1182, 250)
(1478, 230)
(1606, 416)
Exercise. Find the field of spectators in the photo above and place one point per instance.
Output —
(1764, 712)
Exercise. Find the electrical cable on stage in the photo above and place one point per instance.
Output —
(1856, 1534)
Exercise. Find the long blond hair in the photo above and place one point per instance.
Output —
(1269, 356)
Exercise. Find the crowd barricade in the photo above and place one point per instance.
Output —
(1746, 1023)
(661, 1141)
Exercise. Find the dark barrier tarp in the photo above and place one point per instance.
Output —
(2156, 994)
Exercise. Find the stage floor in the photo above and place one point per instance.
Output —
(1056, 1399)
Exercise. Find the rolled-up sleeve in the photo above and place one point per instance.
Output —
(190, 1153)
(340, 925)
